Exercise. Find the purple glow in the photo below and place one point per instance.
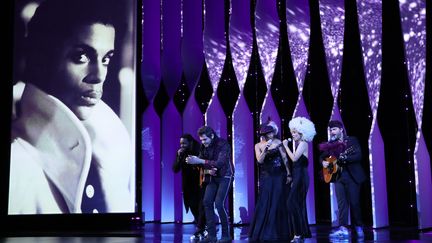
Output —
(171, 53)
(150, 63)
(269, 110)
(192, 41)
(332, 15)
(240, 39)
(151, 174)
(214, 39)
(370, 25)
(215, 117)
(170, 182)
(215, 53)
(243, 158)
(298, 22)
(267, 35)
(298, 27)
(243, 153)
(413, 20)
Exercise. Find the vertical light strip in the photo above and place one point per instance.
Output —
(370, 25)
(150, 147)
(413, 20)
(192, 62)
(298, 27)
(215, 54)
(241, 43)
(171, 130)
(332, 14)
(267, 35)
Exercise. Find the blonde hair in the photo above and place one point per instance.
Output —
(303, 126)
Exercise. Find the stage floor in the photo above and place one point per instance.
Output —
(156, 232)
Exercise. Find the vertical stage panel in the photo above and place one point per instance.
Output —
(370, 25)
(171, 184)
(171, 200)
(332, 14)
(298, 29)
(151, 174)
(192, 60)
(413, 20)
(241, 43)
(150, 133)
(267, 30)
(215, 54)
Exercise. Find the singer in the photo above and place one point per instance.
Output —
(302, 131)
(269, 221)
(349, 181)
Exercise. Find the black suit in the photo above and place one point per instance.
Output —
(349, 181)
(193, 192)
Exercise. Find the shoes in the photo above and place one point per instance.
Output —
(209, 239)
(359, 231)
(342, 232)
(199, 235)
(297, 239)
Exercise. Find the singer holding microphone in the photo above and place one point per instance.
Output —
(302, 132)
(269, 221)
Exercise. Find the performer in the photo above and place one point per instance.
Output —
(302, 131)
(193, 189)
(348, 182)
(215, 153)
(269, 221)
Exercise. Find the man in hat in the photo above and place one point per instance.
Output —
(349, 179)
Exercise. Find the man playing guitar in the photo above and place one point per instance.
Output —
(347, 151)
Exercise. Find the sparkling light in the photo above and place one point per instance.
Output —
(333, 34)
(267, 34)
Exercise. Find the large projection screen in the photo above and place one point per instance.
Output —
(74, 108)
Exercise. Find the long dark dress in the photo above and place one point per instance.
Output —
(296, 203)
(269, 221)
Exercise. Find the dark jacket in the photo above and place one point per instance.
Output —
(352, 162)
(218, 155)
(190, 176)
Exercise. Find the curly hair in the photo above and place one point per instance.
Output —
(303, 126)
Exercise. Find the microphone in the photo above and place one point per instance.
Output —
(289, 139)
(333, 138)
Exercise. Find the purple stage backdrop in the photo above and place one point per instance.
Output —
(171, 129)
(215, 53)
(193, 61)
(151, 130)
(413, 20)
(332, 13)
(298, 30)
(267, 35)
(370, 25)
(241, 41)
(194, 34)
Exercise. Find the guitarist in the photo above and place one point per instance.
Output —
(349, 181)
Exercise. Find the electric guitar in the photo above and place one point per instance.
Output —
(333, 169)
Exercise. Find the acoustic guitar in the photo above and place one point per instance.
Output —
(332, 170)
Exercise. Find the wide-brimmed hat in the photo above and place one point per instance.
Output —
(265, 128)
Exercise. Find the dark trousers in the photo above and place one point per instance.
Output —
(197, 209)
(216, 194)
(348, 196)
